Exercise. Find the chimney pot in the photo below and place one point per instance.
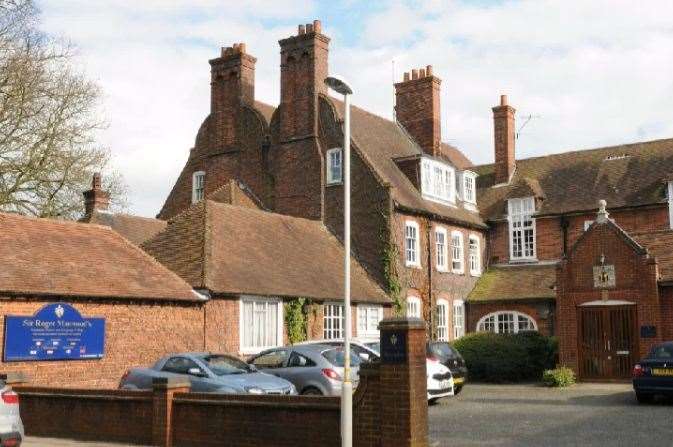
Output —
(309, 28)
(414, 74)
(317, 26)
(95, 198)
(503, 100)
(301, 30)
(406, 76)
(241, 47)
(96, 181)
(421, 73)
(428, 70)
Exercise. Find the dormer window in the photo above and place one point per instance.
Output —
(334, 166)
(198, 186)
(521, 228)
(438, 181)
(469, 187)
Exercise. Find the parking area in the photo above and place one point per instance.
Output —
(522, 415)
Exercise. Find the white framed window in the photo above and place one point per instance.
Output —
(457, 265)
(474, 255)
(441, 249)
(334, 166)
(261, 323)
(442, 320)
(198, 186)
(506, 322)
(414, 307)
(369, 317)
(587, 224)
(521, 228)
(438, 181)
(470, 187)
(458, 319)
(411, 244)
(670, 204)
(333, 321)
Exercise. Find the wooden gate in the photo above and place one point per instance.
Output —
(607, 341)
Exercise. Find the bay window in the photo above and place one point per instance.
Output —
(333, 324)
(438, 181)
(261, 324)
(521, 228)
(457, 252)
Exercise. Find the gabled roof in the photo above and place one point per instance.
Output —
(134, 228)
(71, 259)
(626, 176)
(238, 250)
(515, 282)
(660, 245)
(382, 141)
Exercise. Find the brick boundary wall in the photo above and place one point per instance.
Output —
(389, 408)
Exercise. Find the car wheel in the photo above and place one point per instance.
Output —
(644, 398)
(457, 390)
(433, 401)
(311, 391)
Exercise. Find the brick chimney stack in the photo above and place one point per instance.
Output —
(417, 108)
(504, 136)
(303, 69)
(232, 85)
(96, 199)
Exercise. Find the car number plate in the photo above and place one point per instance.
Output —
(662, 372)
(444, 384)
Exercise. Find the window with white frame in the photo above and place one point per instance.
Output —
(469, 187)
(333, 323)
(474, 255)
(438, 181)
(261, 323)
(507, 322)
(457, 252)
(521, 228)
(334, 166)
(198, 186)
(442, 320)
(414, 307)
(369, 317)
(411, 252)
(441, 248)
(670, 204)
(587, 224)
(458, 319)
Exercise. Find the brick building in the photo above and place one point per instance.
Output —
(416, 229)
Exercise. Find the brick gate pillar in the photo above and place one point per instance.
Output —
(403, 383)
(163, 390)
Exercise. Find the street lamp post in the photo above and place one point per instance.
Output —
(341, 86)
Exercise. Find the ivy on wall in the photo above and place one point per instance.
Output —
(295, 320)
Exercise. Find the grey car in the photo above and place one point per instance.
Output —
(313, 369)
(210, 373)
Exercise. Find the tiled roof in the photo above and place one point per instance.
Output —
(382, 141)
(238, 250)
(520, 282)
(625, 175)
(134, 228)
(59, 258)
(265, 109)
(660, 245)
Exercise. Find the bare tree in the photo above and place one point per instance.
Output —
(48, 122)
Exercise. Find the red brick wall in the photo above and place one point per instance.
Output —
(222, 325)
(173, 328)
(636, 282)
(535, 310)
(549, 233)
(666, 295)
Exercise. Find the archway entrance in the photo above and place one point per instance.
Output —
(607, 339)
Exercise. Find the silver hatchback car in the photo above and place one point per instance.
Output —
(312, 369)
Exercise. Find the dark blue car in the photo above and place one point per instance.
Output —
(654, 374)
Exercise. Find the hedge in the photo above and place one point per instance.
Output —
(502, 358)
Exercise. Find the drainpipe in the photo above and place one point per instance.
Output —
(564, 228)
(430, 297)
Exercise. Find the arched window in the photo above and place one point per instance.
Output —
(442, 320)
(414, 307)
(506, 322)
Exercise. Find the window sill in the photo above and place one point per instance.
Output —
(458, 272)
(476, 274)
(523, 260)
(442, 270)
(339, 183)
(413, 266)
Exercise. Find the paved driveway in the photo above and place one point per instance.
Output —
(523, 415)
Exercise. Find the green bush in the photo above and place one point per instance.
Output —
(560, 377)
(502, 358)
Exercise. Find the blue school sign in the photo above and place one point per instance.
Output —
(55, 332)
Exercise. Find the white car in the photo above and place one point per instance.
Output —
(11, 427)
(440, 379)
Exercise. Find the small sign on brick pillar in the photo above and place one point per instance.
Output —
(164, 388)
(403, 383)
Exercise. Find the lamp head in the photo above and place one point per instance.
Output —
(339, 85)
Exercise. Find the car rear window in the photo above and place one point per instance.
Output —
(662, 352)
(443, 351)
(223, 365)
(336, 357)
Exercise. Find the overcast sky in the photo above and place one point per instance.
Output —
(592, 73)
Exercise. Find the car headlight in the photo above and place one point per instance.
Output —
(293, 389)
(254, 390)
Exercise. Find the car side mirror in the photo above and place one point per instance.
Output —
(196, 372)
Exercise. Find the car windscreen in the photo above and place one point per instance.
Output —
(374, 346)
(337, 356)
(223, 365)
(442, 350)
(662, 352)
